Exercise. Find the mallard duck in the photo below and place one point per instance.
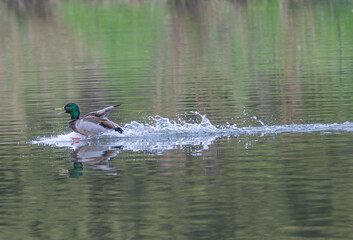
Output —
(93, 123)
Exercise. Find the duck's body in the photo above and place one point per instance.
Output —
(93, 123)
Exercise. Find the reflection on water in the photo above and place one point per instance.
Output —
(29, 7)
(237, 118)
(94, 157)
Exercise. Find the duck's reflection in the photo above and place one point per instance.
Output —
(93, 157)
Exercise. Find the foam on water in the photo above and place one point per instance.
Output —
(161, 134)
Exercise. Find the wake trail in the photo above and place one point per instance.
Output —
(163, 133)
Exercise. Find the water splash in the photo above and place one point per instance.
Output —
(161, 134)
(160, 126)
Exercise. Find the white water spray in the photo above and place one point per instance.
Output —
(161, 133)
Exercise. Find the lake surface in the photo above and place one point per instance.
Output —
(237, 118)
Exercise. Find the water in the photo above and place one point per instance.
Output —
(237, 119)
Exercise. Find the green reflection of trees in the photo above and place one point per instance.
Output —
(276, 187)
(174, 56)
(218, 54)
(127, 39)
(286, 60)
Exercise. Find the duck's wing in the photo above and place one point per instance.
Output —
(104, 122)
(102, 112)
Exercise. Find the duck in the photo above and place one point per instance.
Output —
(93, 123)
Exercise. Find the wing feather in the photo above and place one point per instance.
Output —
(105, 122)
(102, 112)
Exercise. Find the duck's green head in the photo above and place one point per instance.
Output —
(72, 109)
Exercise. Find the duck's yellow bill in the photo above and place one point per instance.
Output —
(60, 109)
